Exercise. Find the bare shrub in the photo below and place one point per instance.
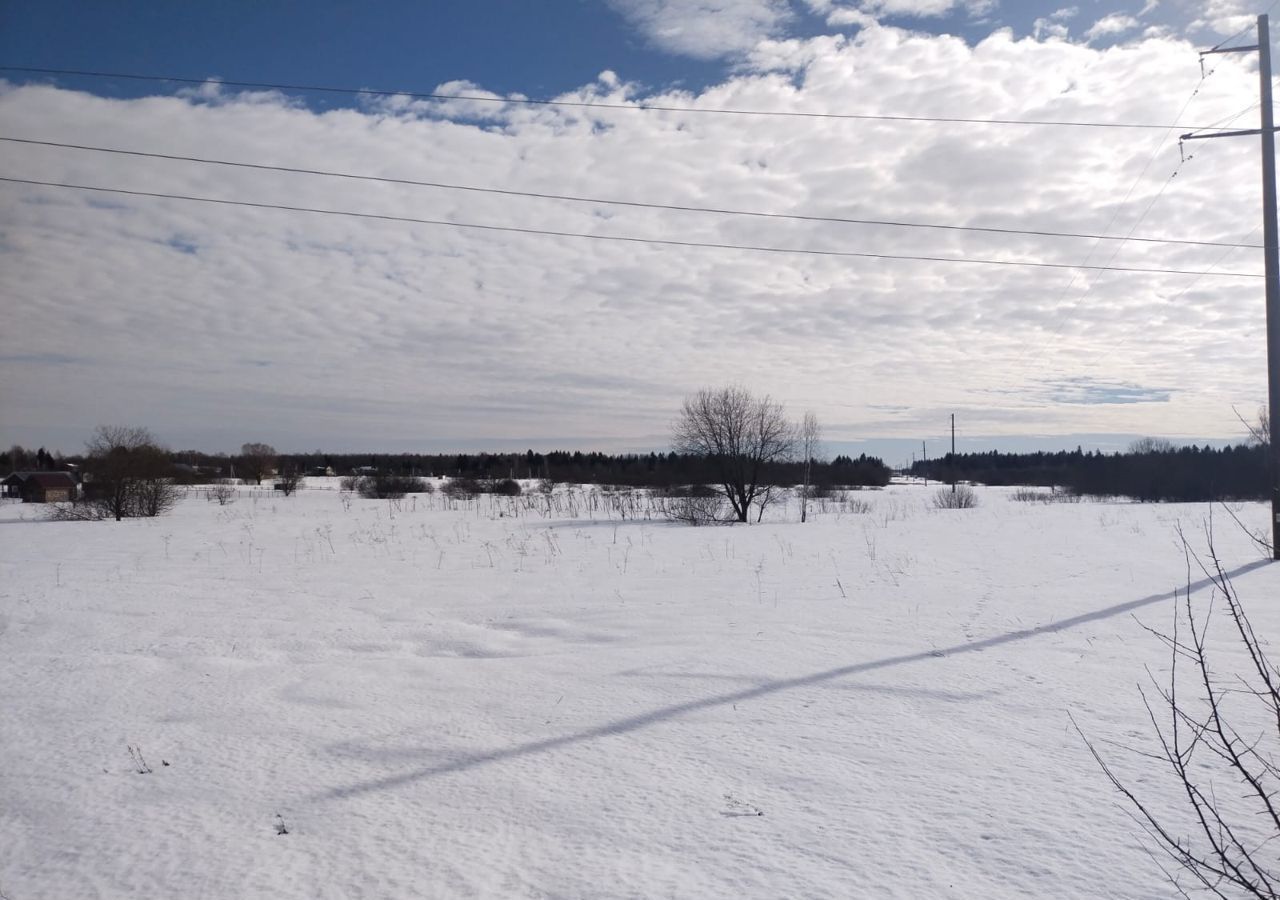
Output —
(506, 487)
(222, 492)
(1217, 740)
(1033, 495)
(389, 487)
(855, 505)
(693, 506)
(462, 488)
(289, 477)
(961, 497)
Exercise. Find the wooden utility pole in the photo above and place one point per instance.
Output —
(1271, 253)
(953, 453)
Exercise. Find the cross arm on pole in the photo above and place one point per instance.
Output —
(1248, 49)
(1190, 136)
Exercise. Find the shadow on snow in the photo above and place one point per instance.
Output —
(644, 720)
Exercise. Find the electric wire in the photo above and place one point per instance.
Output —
(571, 198)
(588, 104)
(1227, 40)
(1217, 262)
(1059, 316)
(667, 242)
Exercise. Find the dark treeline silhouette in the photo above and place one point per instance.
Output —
(629, 469)
(18, 458)
(1178, 474)
(635, 470)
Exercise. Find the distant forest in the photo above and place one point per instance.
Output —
(628, 469)
(1151, 471)
(633, 470)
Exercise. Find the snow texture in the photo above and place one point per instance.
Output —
(342, 698)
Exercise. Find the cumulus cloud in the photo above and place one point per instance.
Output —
(868, 12)
(705, 29)
(214, 325)
(1110, 25)
(1224, 17)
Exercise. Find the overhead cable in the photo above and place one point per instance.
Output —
(665, 242)
(582, 104)
(572, 198)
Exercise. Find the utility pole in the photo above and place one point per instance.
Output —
(1271, 253)
(924, 448)
(953, 453)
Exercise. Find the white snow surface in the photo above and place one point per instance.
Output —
(478, 700)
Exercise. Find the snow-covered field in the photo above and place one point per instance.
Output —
(462, 702)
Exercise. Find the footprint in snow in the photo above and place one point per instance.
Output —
(738, 808)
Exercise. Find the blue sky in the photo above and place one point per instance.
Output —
(218, 325)
(537, 48)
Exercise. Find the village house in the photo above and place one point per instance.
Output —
(40, 487)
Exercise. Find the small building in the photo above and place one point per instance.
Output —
(40, 487)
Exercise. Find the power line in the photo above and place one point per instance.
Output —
(1217, 262)
(508, 192)
(587, 104)
(666, 242)
(1226, 40)
(1059, 316)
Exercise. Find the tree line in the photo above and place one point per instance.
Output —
(1150, 471)
(657, 470)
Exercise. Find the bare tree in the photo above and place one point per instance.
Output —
(1259, 431)
(809, 435)
(740, 435)
(127, 474)
(289, 477)
(1151, 445)
(1222, 757)
(256, 461)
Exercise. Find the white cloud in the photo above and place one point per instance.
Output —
(846, 17)
(1048, 28)
(1225, 17)
(705, 29)
(1113, 24)
(215, 325)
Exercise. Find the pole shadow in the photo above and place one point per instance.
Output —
(644, 720)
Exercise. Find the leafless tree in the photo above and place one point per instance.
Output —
(289, 477)
(1213, 730)
(127, 474)
(740, 435)
(256, 461)
(809, 435)
(1151, 445)
(1259, 431)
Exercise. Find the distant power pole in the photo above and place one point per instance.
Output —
(924, 448)
(953, 453)
(1271, 253)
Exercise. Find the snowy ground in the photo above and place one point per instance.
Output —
(456, 703)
